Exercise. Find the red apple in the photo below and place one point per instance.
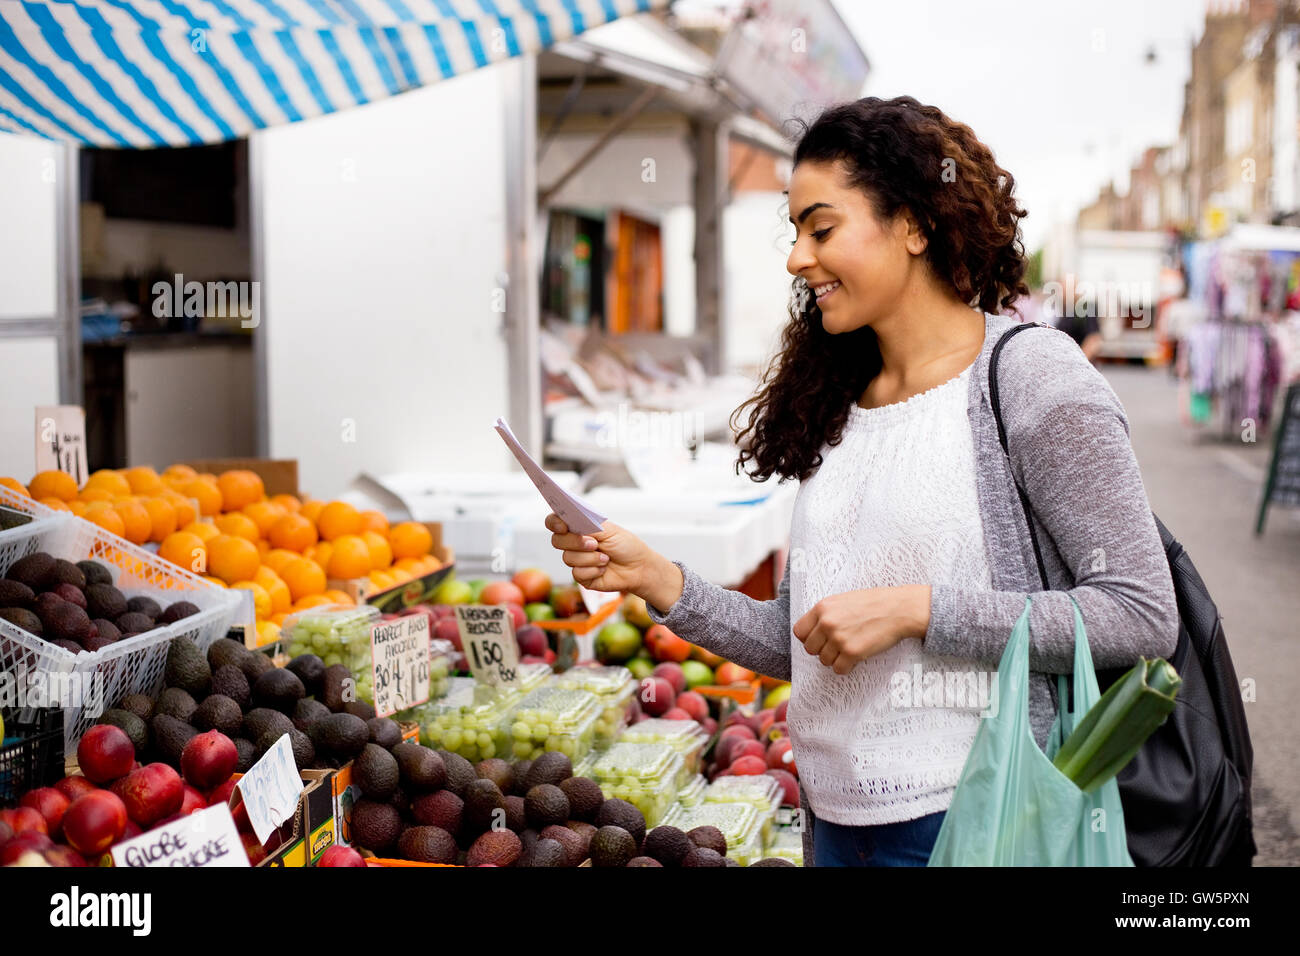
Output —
(749, 748)
(64, 856)
(665, 645)
(442, 610)
(676, 713)
(21, 843)
(777, 731)
(23, 819)
(730, 673)
(780, 755)
(706, 657)
(532, 640)
(781, 710)
(152, 793)
(657, 696)
(191, 801)
(518, 616)
(341, 856)
(503, 592)
(221, 793)
(747, 766)
(50, 804)
(131, 832)
(710, 725)
(789, 787)
(94, 823)
(673, 674)
(105, 753)
(722, 754)
(738, 730)
(75, 786)
(209, 759)
(533, 583)
(448, 630)
(254, 849)
(550, 656)
(766, 719)
(567, 601)
(694, 704)
(6, 833)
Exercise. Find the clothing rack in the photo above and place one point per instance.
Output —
(1231, 369)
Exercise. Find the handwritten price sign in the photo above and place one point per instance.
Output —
(204, 838)
(488, 636)
(271, 789)
(399, 655)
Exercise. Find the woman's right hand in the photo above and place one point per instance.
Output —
(614, 559)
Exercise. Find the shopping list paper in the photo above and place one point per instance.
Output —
(575, 514)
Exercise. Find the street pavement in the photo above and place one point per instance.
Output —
(1207, 492)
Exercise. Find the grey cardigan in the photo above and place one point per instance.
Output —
(1069, 443)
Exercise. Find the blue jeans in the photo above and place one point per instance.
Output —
(907, 843)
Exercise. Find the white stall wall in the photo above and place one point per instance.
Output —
(757, 243)
(30, 378)
(384, 240)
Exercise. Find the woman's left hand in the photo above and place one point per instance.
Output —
(846, 628)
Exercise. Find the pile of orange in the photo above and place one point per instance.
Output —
(225, 528)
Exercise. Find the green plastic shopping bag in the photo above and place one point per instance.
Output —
(1011, 807)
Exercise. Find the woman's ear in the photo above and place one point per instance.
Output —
(914, 237)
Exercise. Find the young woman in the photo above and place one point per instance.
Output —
(909, 551)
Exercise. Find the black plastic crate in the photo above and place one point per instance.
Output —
(34, 758)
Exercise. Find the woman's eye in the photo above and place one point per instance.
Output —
(821, 234)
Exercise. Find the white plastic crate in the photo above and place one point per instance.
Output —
(12, 500)
(131, 666)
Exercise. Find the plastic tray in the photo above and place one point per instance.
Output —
(562, 719)
(692, 795)
(131, 666)
(646, 775)
(615, 687)
(786, 844)
(684, 736)
(31, 755)
(337, 635)
(473, 720)
(759, 791)
(739, 823)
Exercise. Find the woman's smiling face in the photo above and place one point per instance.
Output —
(858, 264)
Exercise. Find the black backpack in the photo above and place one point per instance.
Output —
(1186, 794)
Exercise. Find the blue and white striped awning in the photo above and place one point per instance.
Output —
(140, 73)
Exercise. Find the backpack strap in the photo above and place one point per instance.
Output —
(1002, 437)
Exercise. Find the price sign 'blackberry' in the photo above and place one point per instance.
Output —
(488, 636)
(399, 655)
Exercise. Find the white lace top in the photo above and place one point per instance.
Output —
(893, 503)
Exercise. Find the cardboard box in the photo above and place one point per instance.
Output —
(415, 591)
(279, 475)
(313, 824)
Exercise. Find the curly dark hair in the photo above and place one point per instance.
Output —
(903, 155)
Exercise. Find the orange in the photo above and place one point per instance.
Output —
(350, 558)
(277, 558)
(232, 558)
(382, 580)
(143, 480)
(304, 578)
(381, 554)
(311, 600)
(398, 575)
(14, 485)
(94, 494)
(106, 518)
(279, 619)
(204, 529)
(136, 521)
(53, 484)
(267, 633)
(179, 472)
(410, 539)
(340, 597)
(337, 519)
(263, 547)
(408, 565)
(264, 515)
(162, 517)
(238, 524)
(311, 509)
(240, 487)
(261, 599)
(111, 481)
(372, 520)
(206, 493)
(186, 550)
(320, 554)
(185, 510)
(55, 504)
(78, 508)
(288, 502)
(278, 591)
(292, 533)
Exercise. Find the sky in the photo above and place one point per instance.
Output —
(1058, 89)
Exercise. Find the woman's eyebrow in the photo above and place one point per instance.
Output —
(817, 205)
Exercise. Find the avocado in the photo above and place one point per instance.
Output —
(278, 689)
(499, 847)
(375, 825)
(585, 832)
(427, 844)
(612, 846)
(144, 605)
(304, 751)
(177, 612)
(247, 751)
(544, 853)
(422, 769)
(585, 797)
(643, 861)
(259, 720)
(516, 814)
(229, 681)
(498, 771)
(575, 846)
(620, 813)
(771, 861)
(95, 573)
(177, 703)
(710, 838)
(375, 771)
(22, 618)
(133, 622)
(343, 735)
(64, 619)
(485, 806)
(459, 771)
(170, 737)
(219, 712)
(385, 732)
(359, 708)
(65, 572)
(519, 771)
(107, 629)
(668, 845)
(15, 594)
(70, 646)
(310, 670)
(254, 664)
(442, 808)
(550, 767)
(704, 856)
(132, 724)
(306, 712)
(546, 804)
(187, 668)
(225, 652)
(106, 601)
(338, 682)
(139, 704)
(34, 570)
